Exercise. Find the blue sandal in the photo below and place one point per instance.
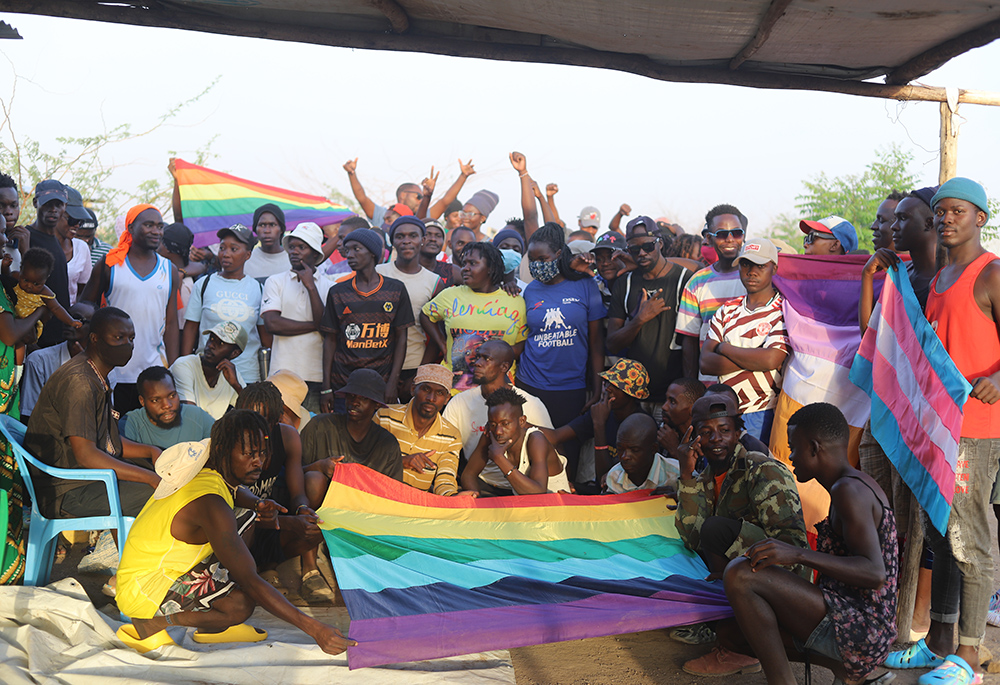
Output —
(916, 655)
(954, 671)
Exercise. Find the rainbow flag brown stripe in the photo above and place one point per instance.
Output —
(211, 200)
(425, 576)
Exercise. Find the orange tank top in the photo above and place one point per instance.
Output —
(970, 337)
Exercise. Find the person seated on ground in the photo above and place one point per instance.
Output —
(640, 466)
(429, 444)
(197, 375)
(353, 438)
(749, 442)
(42, 363)
(185, 562)
(295, 533)
(467, 410)
(293, 391)
(513, 457)
(740, 498)
(625, 385)
(681, 396)
(162, 420)
(74, 426)
(747, 342)
(849, 617)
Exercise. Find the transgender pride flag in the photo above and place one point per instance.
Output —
(917, 395)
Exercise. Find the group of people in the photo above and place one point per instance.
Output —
(224, 386)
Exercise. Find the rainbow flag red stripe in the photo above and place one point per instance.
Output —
(917, 395)
(425, 576)
(211, 200)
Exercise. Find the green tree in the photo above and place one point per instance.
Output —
(856, 197)
(84, 163)
(785, 226)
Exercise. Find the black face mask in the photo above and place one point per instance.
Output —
(117, 355)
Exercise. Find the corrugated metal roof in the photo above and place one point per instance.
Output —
(690, 40)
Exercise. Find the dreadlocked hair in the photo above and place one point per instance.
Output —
(491, 255)
(263, 398)
(237, 428)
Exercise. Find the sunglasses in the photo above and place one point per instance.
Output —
(817, 235)
(647, 247)
(724, 234)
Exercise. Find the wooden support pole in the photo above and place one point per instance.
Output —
(949, 146)
(909, 571)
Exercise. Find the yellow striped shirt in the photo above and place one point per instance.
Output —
(442, 437)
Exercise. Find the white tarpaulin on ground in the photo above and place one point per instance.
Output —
(55, 635)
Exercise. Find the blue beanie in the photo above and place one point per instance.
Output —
(963, 189)
(406, 220)
(505, 233)
(370, 239)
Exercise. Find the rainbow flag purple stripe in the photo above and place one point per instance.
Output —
(917, 395)
(211, 200)
(425, 576)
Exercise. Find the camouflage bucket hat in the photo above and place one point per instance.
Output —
(630, 377)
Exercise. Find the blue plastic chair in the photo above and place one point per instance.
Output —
(43, 532)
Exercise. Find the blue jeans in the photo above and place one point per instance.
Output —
(758, 424)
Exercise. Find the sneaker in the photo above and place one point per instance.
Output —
(720, 661)
(697, 634)
(993, 615)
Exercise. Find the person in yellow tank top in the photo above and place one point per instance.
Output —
(185, 562)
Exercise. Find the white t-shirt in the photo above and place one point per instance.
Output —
(263, 265)
(467, 412)
(192, 386)
(229, 300)
(302, 354)
(421, 287)
(662, 472)
(78, 269)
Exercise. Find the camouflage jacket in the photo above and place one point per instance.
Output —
(758, 491)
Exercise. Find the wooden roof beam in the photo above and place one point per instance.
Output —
(775, 12)
(931, 59)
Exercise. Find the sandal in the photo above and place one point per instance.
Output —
(130, 637)
(954, 671)
(237, 633)
(917, 655)
(314, 589)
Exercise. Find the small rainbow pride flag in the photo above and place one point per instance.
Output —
(917, 396)
(211, 200)
(425, 576)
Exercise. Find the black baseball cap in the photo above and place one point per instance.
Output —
(49, 190)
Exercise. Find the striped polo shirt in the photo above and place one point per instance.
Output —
(442, 437)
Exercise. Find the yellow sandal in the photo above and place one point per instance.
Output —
(130, 637)
(238, 633)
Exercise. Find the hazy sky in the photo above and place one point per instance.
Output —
(290, 115)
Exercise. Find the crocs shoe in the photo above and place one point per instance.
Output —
(993, 615)
(720, 661)
(917, 655)
(697, 634)
(953, 671)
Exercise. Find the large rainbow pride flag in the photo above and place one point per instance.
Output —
(821, 315)
(917, 395)
(425, 576)
(211, 200)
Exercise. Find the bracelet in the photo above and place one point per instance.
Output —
(326, 392)
(507, 475)
(523, 175)
(602, 447)
(300, 508)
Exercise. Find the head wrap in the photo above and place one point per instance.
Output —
(116, 256)
(505, 233)
(370, 239)
(963, 189)
(485, 201)
(272, 208)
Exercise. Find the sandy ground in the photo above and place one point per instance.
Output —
(645, 658)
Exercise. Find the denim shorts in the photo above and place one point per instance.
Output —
(822, 640)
